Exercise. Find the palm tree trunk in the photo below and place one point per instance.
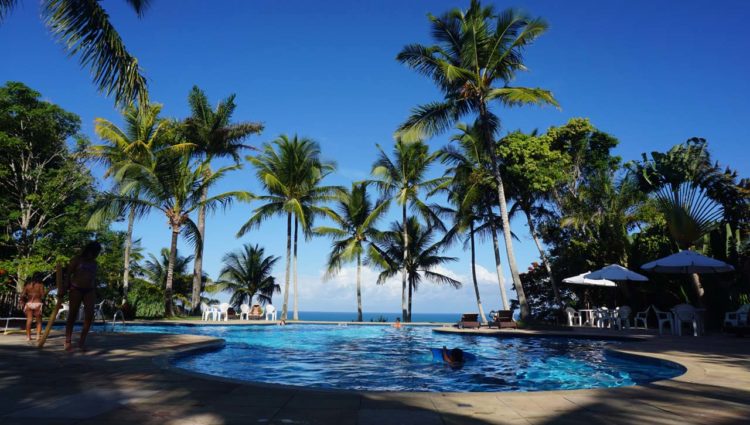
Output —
(126, 257)
(543, 256)
(698, 287)
(295, 315)
(404, 311)
(408, 310)
(523, 304)
(474, 274)
(168, 308)
(285, 307)
(359, 287)
(198, 261)
(498, 265)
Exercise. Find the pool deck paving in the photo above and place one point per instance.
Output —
(126, 379)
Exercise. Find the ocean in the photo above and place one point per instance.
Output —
(340, 316)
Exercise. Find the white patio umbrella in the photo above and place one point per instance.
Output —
(582, 280)
(687, 262)
(616, 272)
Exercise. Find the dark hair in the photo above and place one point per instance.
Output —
(37, 277)
(457, 355)
(92, 249)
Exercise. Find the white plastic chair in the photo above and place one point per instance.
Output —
(602, 317)
(270, 312)
(223, 311)
(664, 317)
(737, 318)
(206, 311)
(622, 319)
(685, 313)
(642, 316)
(245, 312)
(573, 316)
(65, 308)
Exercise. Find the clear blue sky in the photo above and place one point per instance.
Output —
(651, 73)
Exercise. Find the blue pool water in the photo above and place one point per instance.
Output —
(382, 358)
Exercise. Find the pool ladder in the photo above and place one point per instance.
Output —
(114, 320)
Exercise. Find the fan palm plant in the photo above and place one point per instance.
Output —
(476, 55)
(424, 257)
(214, 135)
(173, 186)
(291, 171)
(247, 273)
(85, 29)
(354, 218)
(682, 181)
(404, 179)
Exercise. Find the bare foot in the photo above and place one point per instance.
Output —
(82, 347)
(68, 347)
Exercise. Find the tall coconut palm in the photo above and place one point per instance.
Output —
(138, 142)
(404, 179)
(291, 171)
(424, 257)
(214, 135)
(477, 54)
(354, 218)
(246, 273)
(471, 170)
(174, 187)
(84, 28)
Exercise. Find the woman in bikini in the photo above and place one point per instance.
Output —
(80, 279)
(32, 298)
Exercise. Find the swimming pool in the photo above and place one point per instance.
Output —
(381, 358)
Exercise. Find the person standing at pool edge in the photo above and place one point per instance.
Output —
(80, 283)
(32, 299)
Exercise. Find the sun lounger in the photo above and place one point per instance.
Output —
(503, 319)
(468, 321)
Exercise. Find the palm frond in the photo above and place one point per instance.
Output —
(83, 26)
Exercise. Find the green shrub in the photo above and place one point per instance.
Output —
(146, 299)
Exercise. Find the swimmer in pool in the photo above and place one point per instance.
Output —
(454, 357)
(397, 324)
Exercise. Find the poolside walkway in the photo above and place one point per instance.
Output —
(125, 380)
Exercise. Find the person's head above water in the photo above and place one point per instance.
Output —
(91, 250)
(457, 355)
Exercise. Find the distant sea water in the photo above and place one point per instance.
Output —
(340, 316)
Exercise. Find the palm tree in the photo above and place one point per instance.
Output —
(424, 255)
(155, 271)
(470, 168)
(477, 54)
(403, 179)
(174, 187)
(139, 142)
(215, 136)
(84, 28)
(291, 171)
(354, 221)
(247, 273)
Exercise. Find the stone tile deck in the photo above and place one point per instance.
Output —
(124, 379)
